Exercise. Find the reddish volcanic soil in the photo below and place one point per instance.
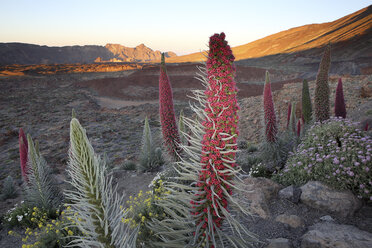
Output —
(142, 85)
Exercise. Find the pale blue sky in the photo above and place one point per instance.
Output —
(165, 25)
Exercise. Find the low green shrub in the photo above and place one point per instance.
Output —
(335, 152)
(9, 190)
(251, 147)
(274, 155)
(369, 112)
(129, 165)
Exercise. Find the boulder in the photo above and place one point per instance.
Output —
(279, 243)
(258, 192)
(328, 234)
(290, 193)
(292, 220)
(320, 196)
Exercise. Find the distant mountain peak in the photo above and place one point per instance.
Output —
(140, 53)
(141, 45)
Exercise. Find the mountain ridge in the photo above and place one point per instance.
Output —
(300, 38)
(24, 53)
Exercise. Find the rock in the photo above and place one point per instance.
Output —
(366, 90)
(286, 193)
(292, 220)
(290, 193)
(279, 243)
(326, 218)
(260, 192)
(318, 195)
(328, 234)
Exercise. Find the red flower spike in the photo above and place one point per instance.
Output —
(269, 112)
(167, 118)
(23, 151)
(289, 113)
(340, 108)
(299, 128)
(222, 111)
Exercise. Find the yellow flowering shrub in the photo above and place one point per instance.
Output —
(143, 208)
(53, 234)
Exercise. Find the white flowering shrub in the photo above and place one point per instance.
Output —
(25, 216)
(335, 152)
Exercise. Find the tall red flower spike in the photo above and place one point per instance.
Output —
(23, 151)
(366, 127)
(269, 112)
(219, 140)
(298, 127)
(167, 117)
(289, 113)
(340, 107)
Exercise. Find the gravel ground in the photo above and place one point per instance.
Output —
(42, 107)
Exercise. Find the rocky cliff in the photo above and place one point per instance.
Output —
(138, 53)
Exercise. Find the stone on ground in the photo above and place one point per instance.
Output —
(320, 196)
(279, 243)
(328, 234)
(292, 220)
(290, 193)
(260, 192)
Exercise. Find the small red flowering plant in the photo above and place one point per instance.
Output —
(271, 128)
(340, 107)
(167, 117)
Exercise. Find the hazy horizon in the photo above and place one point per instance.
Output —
(180, 27)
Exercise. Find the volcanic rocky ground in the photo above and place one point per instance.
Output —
(112, 108)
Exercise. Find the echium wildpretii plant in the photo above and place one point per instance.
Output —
(271, 128)
(292, 119)
(40, 191)
(273, 149)
(321, 100)
(307, 110)
(95, 207)
(147, 155)
(23, 151)
(336, 152)
(289, 111)
(201, 202)
(167, 116)
(298, 128)
(340, 107)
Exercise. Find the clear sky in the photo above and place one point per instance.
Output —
(165, 25)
